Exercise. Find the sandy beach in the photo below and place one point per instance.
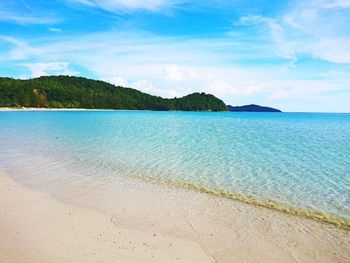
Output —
(46, 109)
(35, 227)
(174, 131)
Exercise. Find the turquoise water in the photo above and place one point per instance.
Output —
(297, 159)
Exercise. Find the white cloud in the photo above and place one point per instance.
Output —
(280, 94)
(118, 81)
(50, 68)
(175, 73)
(322, 30)
(145, 85)
(117, 6)
(235, 88)
(55, 30)
(168, 66)
(317, 28)
(24, 19)
(20, 51)
(334, 50)
(284, 47)
(337, 4)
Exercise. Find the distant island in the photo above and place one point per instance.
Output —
(79, 92)
(251, 108)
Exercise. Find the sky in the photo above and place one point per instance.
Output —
(292, 55)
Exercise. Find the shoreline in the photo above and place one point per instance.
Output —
(8, 109)
(199, 227)
(50, 109)
(319, 216)
(11, 109)
(34, 227)
(51, 231)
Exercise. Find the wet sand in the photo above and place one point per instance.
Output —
(144, 227)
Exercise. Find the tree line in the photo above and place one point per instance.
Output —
(79, 92)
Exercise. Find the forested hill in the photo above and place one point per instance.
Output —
(251, 108)
(78, 92)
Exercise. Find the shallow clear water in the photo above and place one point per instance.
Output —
(298, 159)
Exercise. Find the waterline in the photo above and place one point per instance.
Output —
(340, 222)
(291, 160)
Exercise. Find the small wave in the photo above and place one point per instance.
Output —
(323, 217)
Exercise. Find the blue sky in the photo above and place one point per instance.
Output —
(293, 55)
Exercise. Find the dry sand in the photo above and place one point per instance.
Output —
(35, 227)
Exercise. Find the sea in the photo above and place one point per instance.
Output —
(292, 162)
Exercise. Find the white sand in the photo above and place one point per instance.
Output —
(44, 109)
(35, 227)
